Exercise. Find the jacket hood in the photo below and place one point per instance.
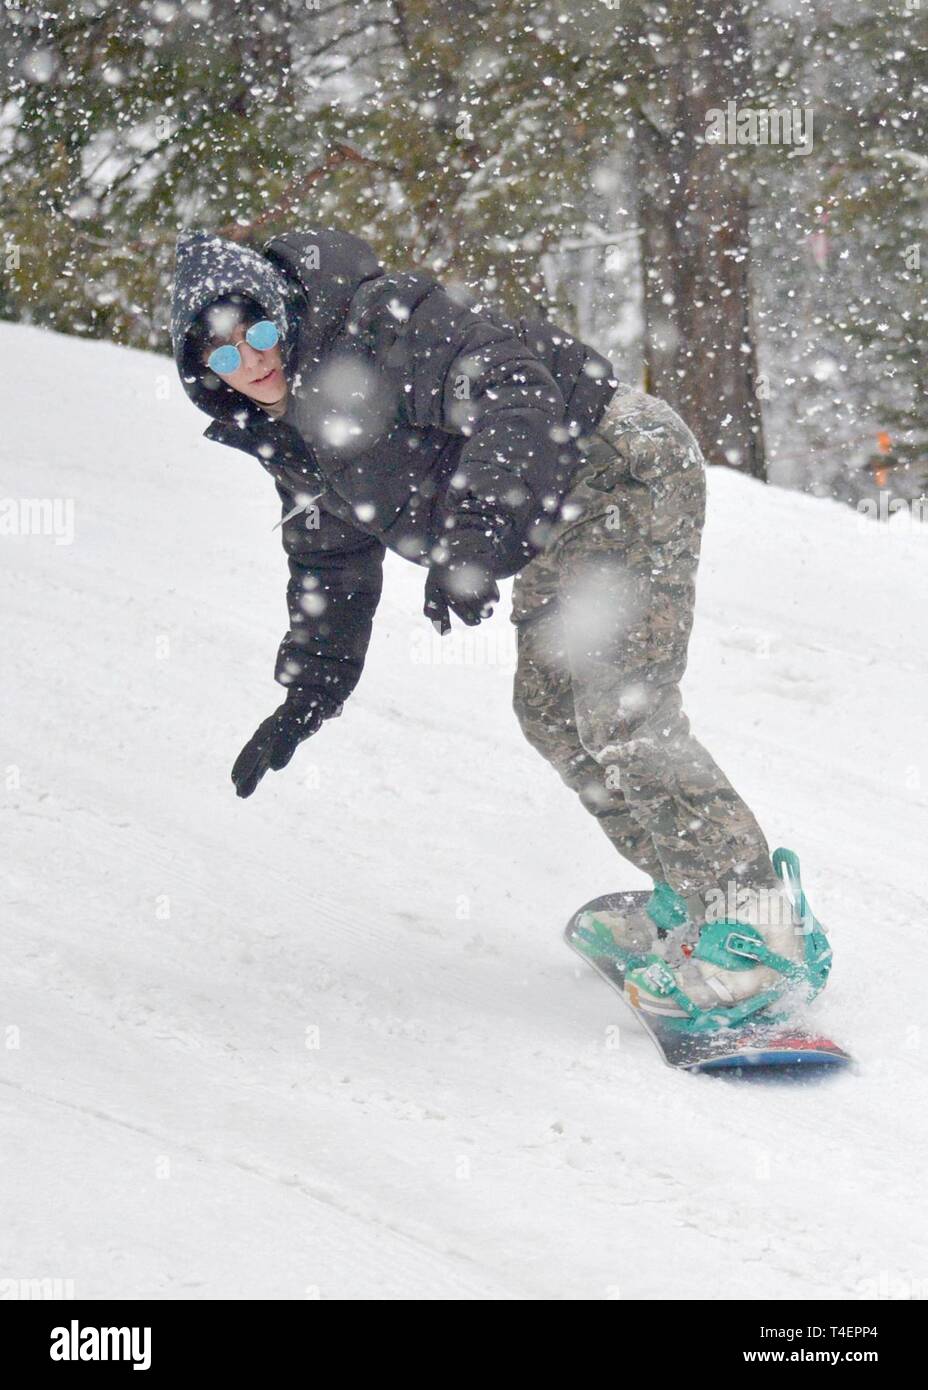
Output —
(207, 266)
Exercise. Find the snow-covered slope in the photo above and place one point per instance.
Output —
(328, 1042)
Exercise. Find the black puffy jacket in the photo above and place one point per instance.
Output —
(407, 409)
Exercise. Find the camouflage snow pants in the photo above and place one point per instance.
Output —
(603, 617)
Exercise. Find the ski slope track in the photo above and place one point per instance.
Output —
(328, 1042)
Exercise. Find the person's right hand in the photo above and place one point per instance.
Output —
(463, 582)
(275, 741)
(469, 593)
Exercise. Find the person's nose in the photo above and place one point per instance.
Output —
(250, 356)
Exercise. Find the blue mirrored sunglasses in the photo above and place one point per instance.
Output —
(261, 336)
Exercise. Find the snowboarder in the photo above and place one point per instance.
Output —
(391, 413)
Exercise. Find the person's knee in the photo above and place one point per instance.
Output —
(641, 726)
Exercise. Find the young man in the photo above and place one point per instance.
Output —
(388, 413)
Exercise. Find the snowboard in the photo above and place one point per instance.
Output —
(761, 1045)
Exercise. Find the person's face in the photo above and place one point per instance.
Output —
(260, 375)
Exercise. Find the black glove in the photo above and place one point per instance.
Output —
(276, 740)
(464, 583)
(471, 606)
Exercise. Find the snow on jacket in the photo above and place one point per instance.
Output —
(407, 411)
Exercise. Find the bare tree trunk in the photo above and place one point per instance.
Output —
(693, 211)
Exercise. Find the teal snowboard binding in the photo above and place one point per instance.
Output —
(702, 978)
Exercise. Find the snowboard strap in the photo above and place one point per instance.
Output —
(655, 979)
(735, 947)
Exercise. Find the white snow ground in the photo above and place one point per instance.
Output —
(463, 1130)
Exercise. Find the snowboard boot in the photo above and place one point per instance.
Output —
(717, 973)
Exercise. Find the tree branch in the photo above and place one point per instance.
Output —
(339, 154)
(345, 35)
